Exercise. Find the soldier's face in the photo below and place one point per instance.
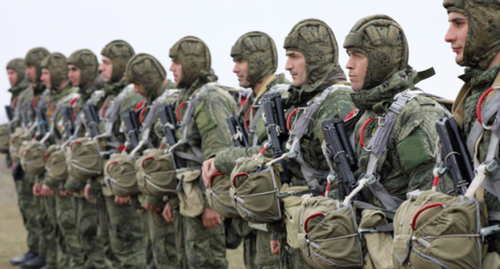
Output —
(457, 34)
(31, 72)
(106, 68)
(74, 74)
(241, 70)
(357, 65)
(46, 78)
(296, 65)
(12, 76)
(176, 68)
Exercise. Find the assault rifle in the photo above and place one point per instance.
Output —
(131, 127)
(455, 154)
(10, 112)
(343, 157)
(169, 123)
(43, 127)
(91, 118)
(276, 130)
(239, 134)
(69, 125)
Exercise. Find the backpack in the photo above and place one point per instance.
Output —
(83, 159)
(219, 198)
(17, 138)
(4, 138)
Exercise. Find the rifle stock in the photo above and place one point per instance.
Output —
(131, 127)
(89, 111)
(239, 134)
(169, 126)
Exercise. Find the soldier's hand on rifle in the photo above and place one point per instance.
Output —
(210, 218)
(121, 200)
(47, 191)
(208, 171)
(86, 192)
(37, 189)
(167, 214)
(151, 207)
(275, 247)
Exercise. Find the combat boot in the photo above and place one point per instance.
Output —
(35, 263)
(23, 258)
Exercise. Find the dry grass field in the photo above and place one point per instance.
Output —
(13, 234)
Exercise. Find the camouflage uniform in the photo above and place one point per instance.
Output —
(482, 45)
(259, 50)
(56, 64)
(28, 203)
(208, 132)
(408, 161)
(148, 72)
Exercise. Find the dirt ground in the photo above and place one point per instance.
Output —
(13, 234)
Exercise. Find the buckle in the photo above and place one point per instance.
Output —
(484, 232)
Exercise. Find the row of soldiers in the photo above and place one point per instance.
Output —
(137, 176)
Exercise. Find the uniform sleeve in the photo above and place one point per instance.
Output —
(74, 185)
(210, 118)
(225, 159)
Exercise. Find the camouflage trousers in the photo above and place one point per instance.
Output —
(205, 247)
(70, 254)
(87, 223)
(50, 230)
(148, 246)
(28, 205)
(123, 224)
(162, 237)
(291, 258)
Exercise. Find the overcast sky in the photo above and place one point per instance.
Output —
(153, 26)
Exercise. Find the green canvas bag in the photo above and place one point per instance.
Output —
(436, 230)
(156, 175)
(18, 137)
(83, 159)
(254, 190)
(219, 198)
(55, 163)
(31, 157)
(328, 233)
(120, 175)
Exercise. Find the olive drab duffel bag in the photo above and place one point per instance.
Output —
(120, 175)
(55, 163)
(254, 190)
(17, 138)
(219, 198)
(327, 233)
(436, 230)
(31, 157)
(83, 158)
(4, 138)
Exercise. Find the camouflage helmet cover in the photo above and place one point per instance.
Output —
(57, 65)
(86, 61)
(34, 57)
(147, 71)
(194, 56)
(259, 50)
(382, 40)
(483, 42)
(19, 67)
(119, 52)
(316, 41)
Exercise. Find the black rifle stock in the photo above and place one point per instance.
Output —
(455, 153)
(239, 134)
(43, 126)
(89, 111)
(343, 156)
(10, 112)
(169, 126)
(276, 130)
(131, 127)
(69, 125)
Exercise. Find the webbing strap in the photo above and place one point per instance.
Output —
(363, 205)
(378, 144)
